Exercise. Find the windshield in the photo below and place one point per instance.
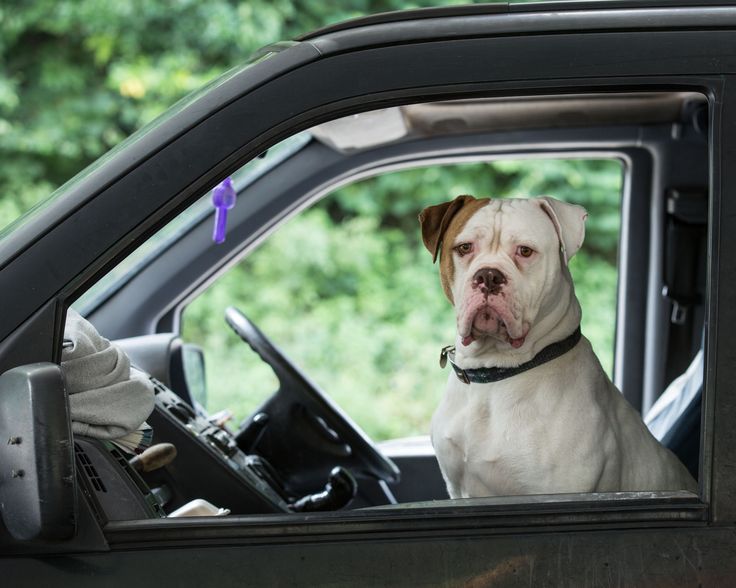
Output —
(183, 222)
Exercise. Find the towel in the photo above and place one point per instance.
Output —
(107, 398)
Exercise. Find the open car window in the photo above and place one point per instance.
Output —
(302, 353)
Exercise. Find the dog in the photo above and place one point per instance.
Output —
(528, 408)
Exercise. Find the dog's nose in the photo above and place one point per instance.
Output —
(489, 278)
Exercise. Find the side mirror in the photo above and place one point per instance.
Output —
(192, 357)
(37, 499)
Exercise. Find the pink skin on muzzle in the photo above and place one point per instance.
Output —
(483, 314)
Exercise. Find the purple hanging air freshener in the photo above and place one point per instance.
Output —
(223, 199)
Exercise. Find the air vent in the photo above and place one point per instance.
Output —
(119, 457)
(89, 469)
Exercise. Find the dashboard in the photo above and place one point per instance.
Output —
(228, 470)
(291, 455)
(209, 463)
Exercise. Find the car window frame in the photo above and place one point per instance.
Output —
(584, 511)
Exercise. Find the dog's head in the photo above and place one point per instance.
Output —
(503, 263)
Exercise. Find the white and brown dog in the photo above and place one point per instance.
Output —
(528, 409)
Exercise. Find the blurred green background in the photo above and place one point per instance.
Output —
(363, 311)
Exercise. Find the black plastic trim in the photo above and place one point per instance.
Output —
(456, 518)
(503, 8)
(406, 15)
(581, 22)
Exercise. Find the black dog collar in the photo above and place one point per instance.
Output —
(494, 374)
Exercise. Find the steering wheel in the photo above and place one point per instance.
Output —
(299, 429)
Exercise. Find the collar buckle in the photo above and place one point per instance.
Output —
(448, 353)
(447, 350)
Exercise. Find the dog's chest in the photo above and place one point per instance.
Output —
(478, 439)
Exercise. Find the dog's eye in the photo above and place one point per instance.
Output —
(464, 248)
(524, 251)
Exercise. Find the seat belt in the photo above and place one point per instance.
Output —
(684, 263)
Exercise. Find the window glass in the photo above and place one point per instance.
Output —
(347, 290)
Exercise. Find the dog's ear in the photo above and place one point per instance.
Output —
(569, 222)
(434, 221)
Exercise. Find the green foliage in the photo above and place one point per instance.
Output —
(351, 295)
(78, 76)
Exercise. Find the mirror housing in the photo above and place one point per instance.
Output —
(37, 490)
(192, 357)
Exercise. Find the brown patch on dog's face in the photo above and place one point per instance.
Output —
(440, 226)
(435, 220)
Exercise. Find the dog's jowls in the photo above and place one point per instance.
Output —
(561, 426)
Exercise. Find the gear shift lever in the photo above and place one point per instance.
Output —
(339, 491)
